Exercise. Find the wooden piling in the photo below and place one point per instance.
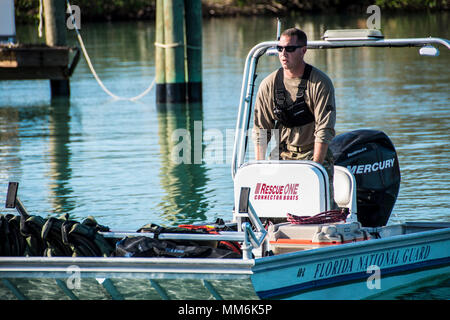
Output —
(174, 47)
(193, 15)
(178, 52)
(55, 35)
(160, 62)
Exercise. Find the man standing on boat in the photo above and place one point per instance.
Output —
(298, 100)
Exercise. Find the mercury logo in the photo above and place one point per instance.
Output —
(289, 191)
(367, 168)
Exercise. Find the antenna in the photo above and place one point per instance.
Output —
(273, 51)
(278, 29)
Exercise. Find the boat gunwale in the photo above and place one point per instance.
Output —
(361, 247)
(304, 258)
(205, 265)
(111, 267)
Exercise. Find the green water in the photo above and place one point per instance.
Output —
(111, 159)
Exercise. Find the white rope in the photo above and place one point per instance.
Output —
(174, 45)
(169, 45)
(91, 67)
(40, 19)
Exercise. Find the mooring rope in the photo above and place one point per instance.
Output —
(176, 44)
(168, 45)
(91, 67)
(40, 19)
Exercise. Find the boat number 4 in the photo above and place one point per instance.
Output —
(301, 272)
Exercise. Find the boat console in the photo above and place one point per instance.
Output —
(276, 188)
(366, 176)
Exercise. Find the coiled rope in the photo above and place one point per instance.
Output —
(91, 67)
(323, 217)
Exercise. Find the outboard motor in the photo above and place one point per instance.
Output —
(371, 157)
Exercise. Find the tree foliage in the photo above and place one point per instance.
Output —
(106, 10)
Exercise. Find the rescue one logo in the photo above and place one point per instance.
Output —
(289, 191)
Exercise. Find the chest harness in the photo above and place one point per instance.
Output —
(296, 114)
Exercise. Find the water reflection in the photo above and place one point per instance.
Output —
(23, 156)
(60, 171)
(182, 175)
(10, 161)
(112, 160)
(22, 130)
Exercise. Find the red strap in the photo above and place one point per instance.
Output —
(209, 229)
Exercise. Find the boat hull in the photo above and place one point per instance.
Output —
(360, 270)
(405, 256)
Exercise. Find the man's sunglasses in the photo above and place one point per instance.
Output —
(288, 48)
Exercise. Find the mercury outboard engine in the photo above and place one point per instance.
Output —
(371, 157)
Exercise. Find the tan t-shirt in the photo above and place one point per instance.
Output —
(319, 97)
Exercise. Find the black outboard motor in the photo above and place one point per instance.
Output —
(371, 157)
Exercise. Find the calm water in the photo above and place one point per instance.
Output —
(112, 159)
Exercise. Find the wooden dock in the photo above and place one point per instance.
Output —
(39, 61)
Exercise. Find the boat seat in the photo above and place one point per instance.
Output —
(344, 184)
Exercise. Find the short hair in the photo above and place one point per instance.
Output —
(301, 36)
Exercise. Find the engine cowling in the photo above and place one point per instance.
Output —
(371, 156)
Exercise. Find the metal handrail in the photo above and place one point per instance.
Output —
(246, 98)
(252, 240)
(222, 236)
(402, 42)
(242, 121)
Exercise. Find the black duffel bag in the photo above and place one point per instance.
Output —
(142, 246)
